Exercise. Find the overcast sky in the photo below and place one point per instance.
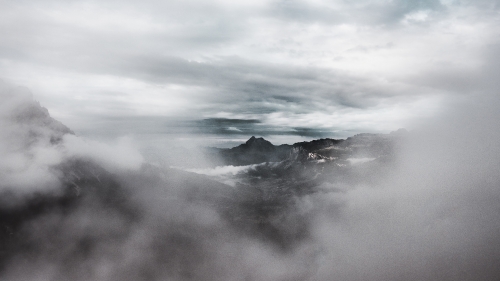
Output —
(304, 68)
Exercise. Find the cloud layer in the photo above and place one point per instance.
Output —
(324, 65)
(278, 66)
(86, 210)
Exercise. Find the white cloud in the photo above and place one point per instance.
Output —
(121, 154)
(223, 170)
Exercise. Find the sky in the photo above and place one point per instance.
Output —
(226, 70)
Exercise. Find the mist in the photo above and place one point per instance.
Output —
(249, 140)
(79, 209)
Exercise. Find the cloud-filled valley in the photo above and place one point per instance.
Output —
(249, 140)
(81, 210)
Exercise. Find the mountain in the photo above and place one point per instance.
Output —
(259, 150)
(24, 118)
(253, 151)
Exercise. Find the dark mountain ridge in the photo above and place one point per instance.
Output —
(253, 151)
(260, 150)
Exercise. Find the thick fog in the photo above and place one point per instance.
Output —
(76, 209)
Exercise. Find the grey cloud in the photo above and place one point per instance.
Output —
(483, 4)
(367, 49)
(44, 24)
(455, 81)
(364, 12)
(488, 75)
(151, 127)
(403, 7)
(262, 88)
(436, 218)
(311, 132)
(163, 46)
(301, 11)
(240, 80)
(226, 126)
(458, 80)
(28, 134)
(237, 86)
(229, 122)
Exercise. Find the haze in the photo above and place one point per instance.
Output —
(107, 110)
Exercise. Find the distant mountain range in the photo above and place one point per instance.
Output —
(259, 150)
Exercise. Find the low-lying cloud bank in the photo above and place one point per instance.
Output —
(89, 211)
(32, 143)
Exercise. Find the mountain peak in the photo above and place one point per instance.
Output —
(253, 141)
(253, 151)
